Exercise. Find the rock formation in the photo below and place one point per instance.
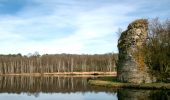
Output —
(131, 63)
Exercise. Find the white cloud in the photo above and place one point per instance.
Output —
(59, 26)
(89, 26)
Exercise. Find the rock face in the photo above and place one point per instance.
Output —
(131, 63)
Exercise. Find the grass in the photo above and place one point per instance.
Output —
(112, 83)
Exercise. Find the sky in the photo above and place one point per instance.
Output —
(70, 26)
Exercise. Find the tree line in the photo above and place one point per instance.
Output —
(11, 64)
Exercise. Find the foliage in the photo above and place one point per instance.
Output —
(158, 48)
(140, 58)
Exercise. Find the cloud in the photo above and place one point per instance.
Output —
(59, 26)
(92, 26)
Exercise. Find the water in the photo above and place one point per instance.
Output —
(68, 88)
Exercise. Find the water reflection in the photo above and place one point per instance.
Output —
(68, 88)
(132, 94)
(47, 84)
(51, 87)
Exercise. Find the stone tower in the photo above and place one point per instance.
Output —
(131, 63)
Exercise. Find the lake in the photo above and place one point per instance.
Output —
(68, 88)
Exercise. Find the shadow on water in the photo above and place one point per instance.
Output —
(133, 94)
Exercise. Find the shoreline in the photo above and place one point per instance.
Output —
(112, 84)
(95, 73)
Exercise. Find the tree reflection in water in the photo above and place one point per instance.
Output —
(71, 84)
(47, 84)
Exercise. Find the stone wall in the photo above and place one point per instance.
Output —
(131, 63)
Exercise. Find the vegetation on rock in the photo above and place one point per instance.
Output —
(131, 63)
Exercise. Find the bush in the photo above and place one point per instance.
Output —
(158, 48)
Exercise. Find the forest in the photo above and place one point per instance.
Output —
(35, 63)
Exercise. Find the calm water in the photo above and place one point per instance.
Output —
(68, 88)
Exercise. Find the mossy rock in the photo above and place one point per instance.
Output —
(131, 64)
(143, 23)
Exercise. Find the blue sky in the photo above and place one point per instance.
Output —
(70, 26)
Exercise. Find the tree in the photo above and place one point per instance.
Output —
(158, 48)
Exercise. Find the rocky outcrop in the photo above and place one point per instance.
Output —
(131, 63)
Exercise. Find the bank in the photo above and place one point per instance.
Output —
(115, 84)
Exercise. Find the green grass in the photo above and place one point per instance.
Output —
(107, 79)
(112, 83)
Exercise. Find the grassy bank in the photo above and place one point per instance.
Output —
(111, 83)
